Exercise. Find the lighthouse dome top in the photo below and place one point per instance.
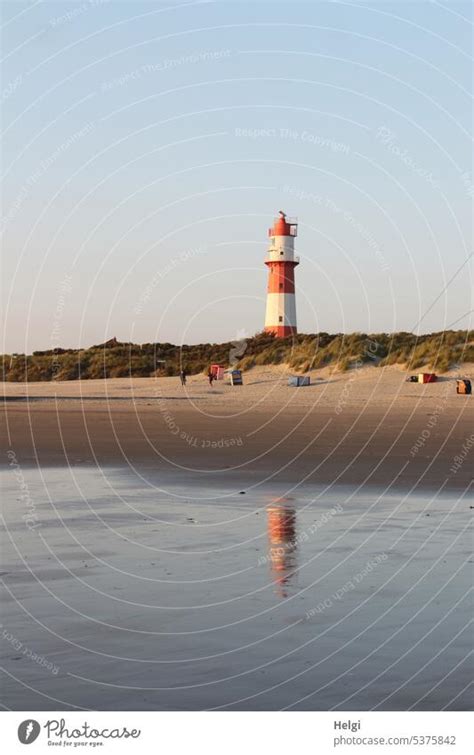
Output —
(283, 226)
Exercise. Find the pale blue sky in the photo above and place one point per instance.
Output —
(148, 145)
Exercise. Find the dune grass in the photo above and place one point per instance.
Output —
(437, 351)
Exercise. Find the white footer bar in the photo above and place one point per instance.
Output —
(236, 733)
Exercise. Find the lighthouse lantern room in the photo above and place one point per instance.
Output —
(280, 317)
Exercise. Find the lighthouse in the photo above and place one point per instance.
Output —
(280, 316)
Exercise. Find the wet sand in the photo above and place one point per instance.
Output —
(140, 599)
(252, 549)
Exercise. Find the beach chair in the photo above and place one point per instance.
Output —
(464, 387)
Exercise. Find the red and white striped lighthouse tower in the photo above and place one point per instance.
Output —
(280, 317)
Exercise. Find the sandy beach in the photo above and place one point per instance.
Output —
(248, 548)
(366, 427)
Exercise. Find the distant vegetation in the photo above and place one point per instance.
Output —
(438, 351)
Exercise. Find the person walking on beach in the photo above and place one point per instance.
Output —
(210, 376)
(183, 376)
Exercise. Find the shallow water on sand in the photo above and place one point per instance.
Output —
(121, 592)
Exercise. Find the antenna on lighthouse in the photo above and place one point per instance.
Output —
(280, 316)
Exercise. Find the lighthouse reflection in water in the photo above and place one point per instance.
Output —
(281, 526)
